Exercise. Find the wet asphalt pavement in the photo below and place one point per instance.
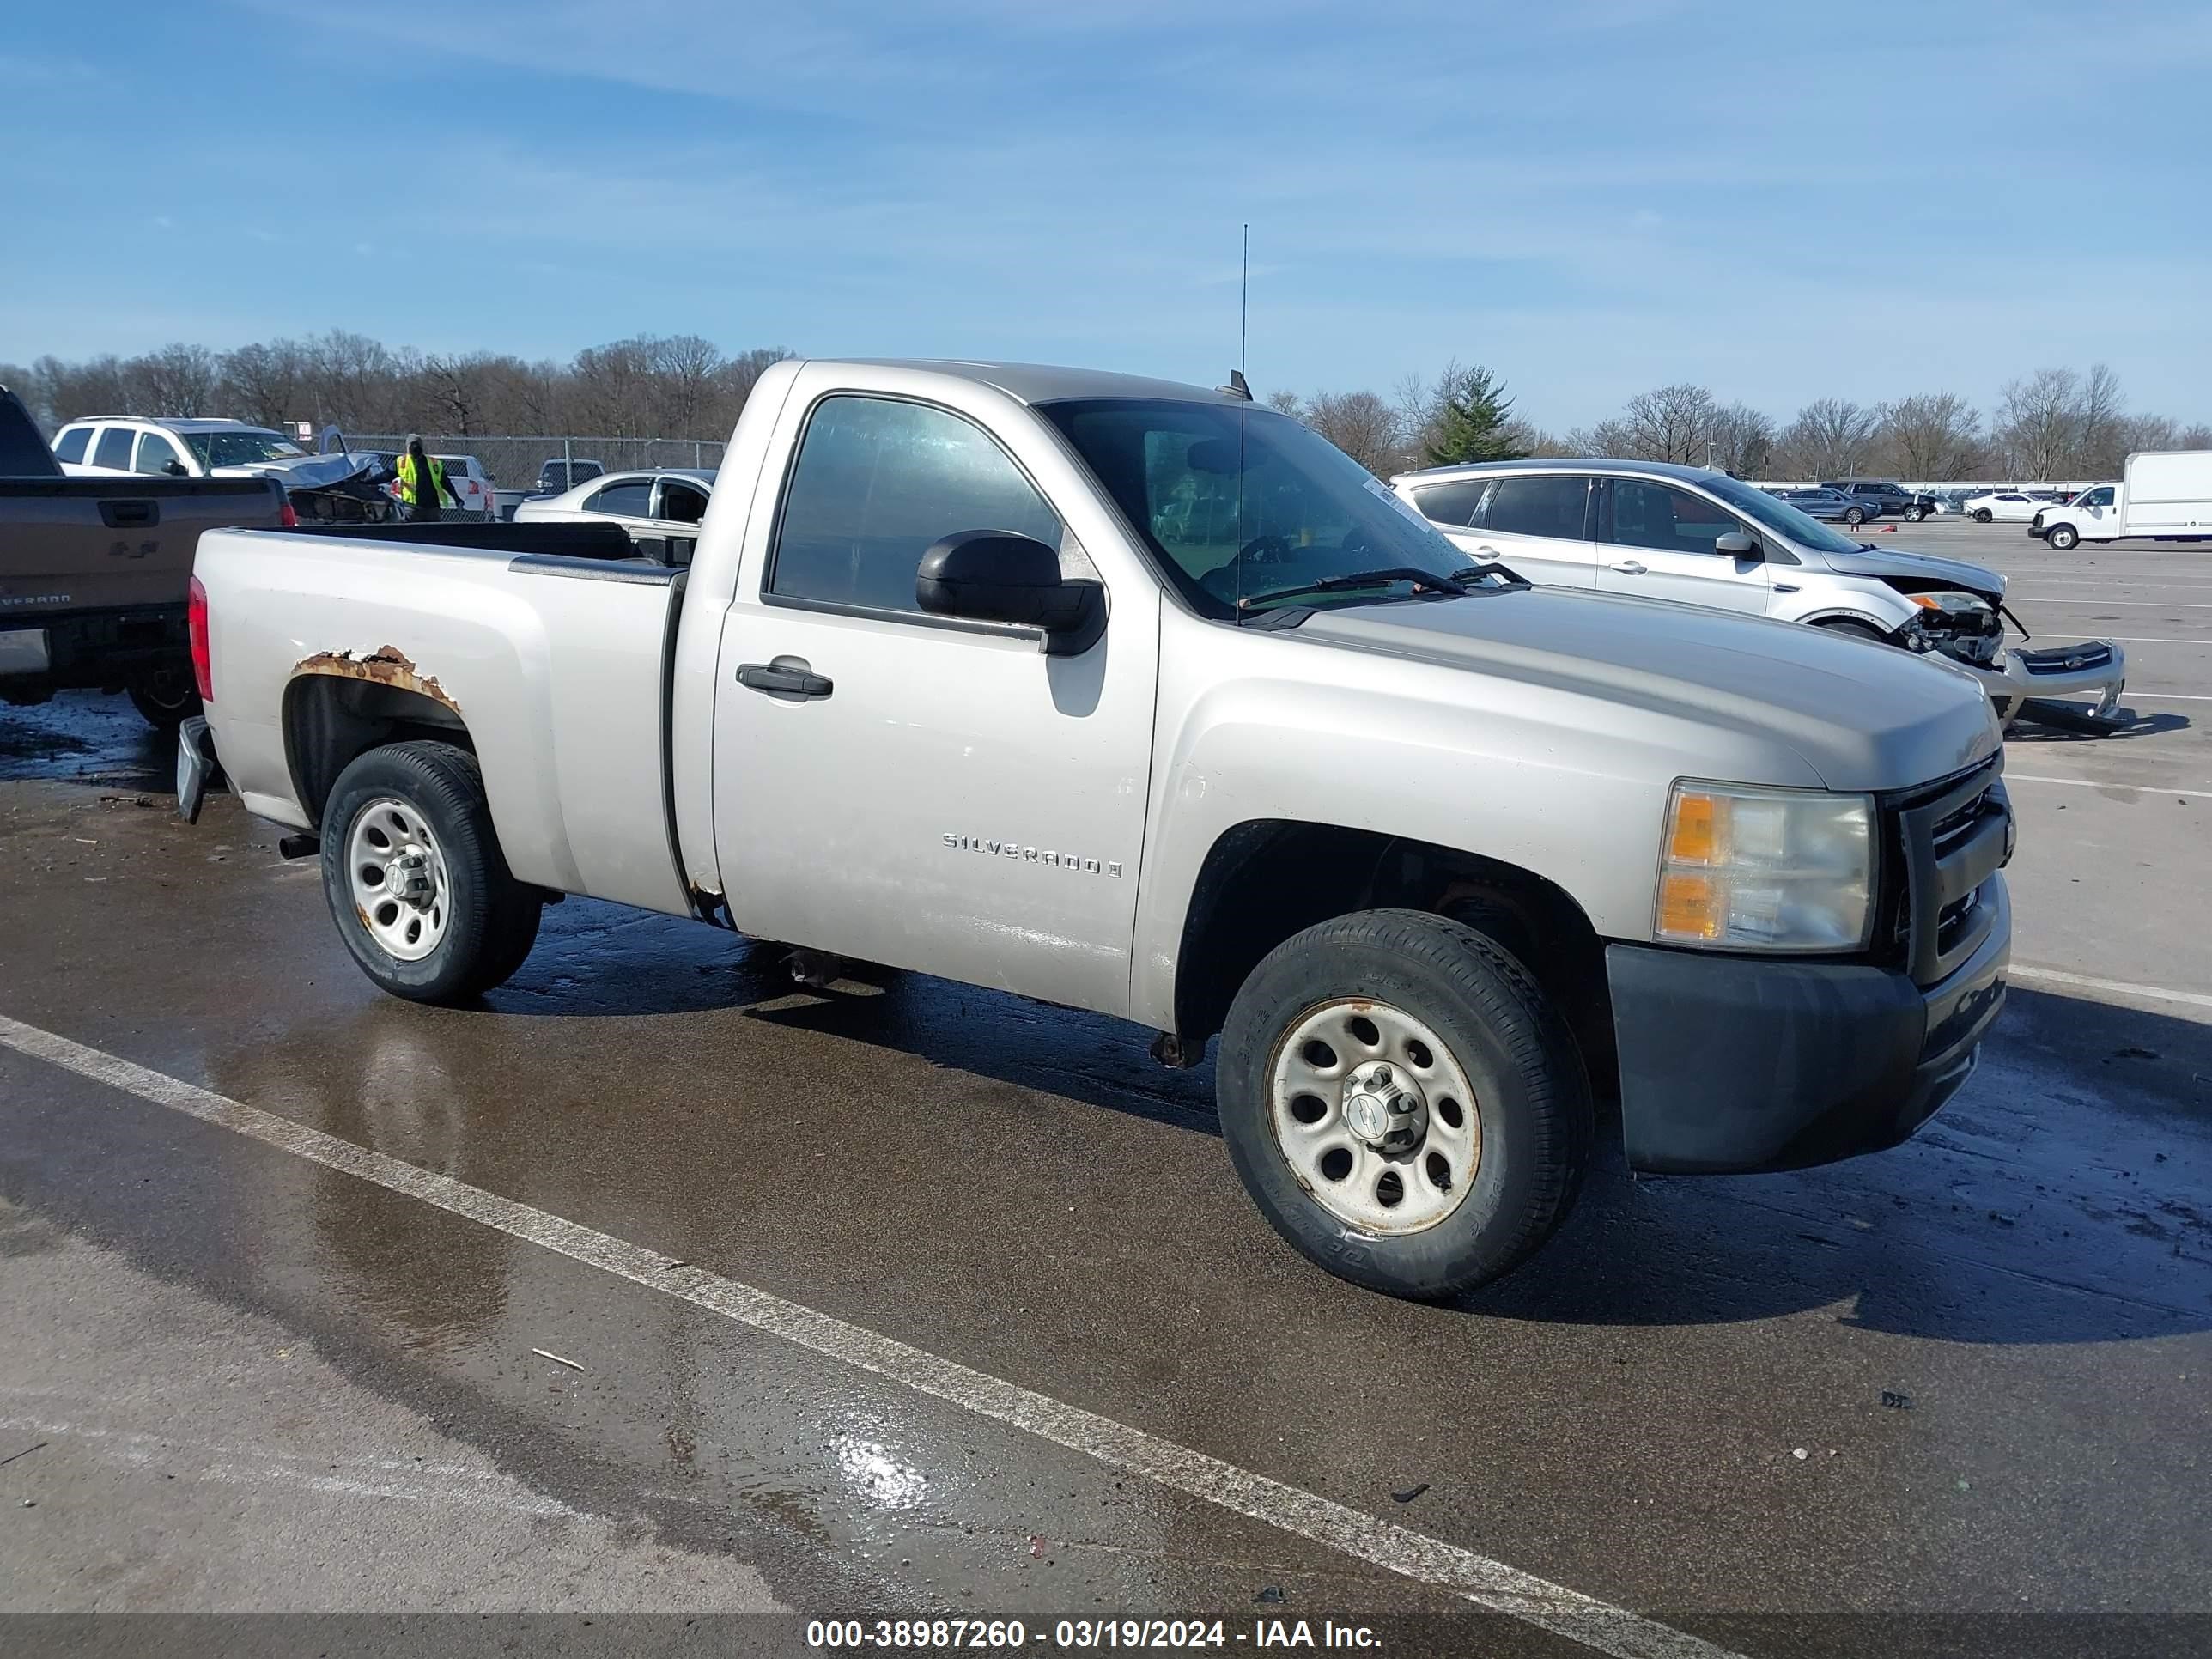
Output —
(1970, 1377)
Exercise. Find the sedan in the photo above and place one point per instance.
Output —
(1831, 504)
(657, 504)
(2003, 505)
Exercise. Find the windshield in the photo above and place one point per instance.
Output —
(1778, 515)
(1236, 518)
(240, 448)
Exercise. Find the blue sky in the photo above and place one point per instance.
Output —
(1780, 201)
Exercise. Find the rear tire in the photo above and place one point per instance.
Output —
(1983, 515)
(445, 920)
(1915, 515)
(1483, 1061)
(2062, 536)
(166, 701)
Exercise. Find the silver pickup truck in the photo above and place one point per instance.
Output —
(1135, 697)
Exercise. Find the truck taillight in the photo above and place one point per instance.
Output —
(286, 518)
(196, 623)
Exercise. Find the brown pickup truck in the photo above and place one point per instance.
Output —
(95, 573)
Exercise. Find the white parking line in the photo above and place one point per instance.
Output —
(2121, 639)
(2167, 696)
(2137, 604)
(2092, 783)
(1492, 1585)
(2120, 987)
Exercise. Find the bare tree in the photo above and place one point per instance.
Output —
(1743, 440)
(1831, 437)
(1284, 401)
(2039, 422)
(1932, 435)
(1360, 424)
(1670, 423)
(2103, 442)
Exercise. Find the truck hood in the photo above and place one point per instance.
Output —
(1861, 715)
(302, 471)
(1883, 565)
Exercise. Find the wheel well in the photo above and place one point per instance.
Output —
(331, 721)
(1265, 880)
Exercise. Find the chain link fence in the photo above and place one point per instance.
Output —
(513, 460)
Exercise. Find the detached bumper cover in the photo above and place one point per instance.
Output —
(2094, 668)
(1738, 1064)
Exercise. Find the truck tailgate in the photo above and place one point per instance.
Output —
(77, 545)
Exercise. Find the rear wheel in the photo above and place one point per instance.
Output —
(1915, 514)
(166, 699)
(2063, 535)
(1983, 515)
(1403, 1102)
(417, 883)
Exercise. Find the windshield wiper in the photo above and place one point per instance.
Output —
(1456, 581)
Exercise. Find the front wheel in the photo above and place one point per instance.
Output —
(417, 883)
(2062, 536)
(1403, 1102)
(1855, 517)
(1855, 630)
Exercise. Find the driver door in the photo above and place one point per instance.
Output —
(911, 789)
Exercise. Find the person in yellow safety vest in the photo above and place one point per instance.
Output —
(422, 482)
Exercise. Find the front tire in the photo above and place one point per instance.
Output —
(1403, 1102)
(417, 883)
(2061, 537)
(1856, 630)
(1855, 517)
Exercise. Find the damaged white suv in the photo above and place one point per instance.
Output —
(1658, 531)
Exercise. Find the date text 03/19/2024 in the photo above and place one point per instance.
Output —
(1011, 1635)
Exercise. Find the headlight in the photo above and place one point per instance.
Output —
(1742, 868)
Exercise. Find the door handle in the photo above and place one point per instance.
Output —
(787, 676)
(1630, 567)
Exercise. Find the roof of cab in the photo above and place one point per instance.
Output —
(1043, 383)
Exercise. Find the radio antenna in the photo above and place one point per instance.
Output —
(1243, 390)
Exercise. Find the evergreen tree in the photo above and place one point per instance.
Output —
(1473, 421)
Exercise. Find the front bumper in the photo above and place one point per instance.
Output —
(1731, 1063)
(2093, 668)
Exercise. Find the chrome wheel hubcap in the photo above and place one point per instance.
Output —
(401, 892)
(1376, 1117)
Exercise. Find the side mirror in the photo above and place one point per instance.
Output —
(995, 575)
(1739, 545)
(175, 469)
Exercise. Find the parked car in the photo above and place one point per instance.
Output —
(2165, 495)
(2003, 506)
(93, 572)
(1427, 848)
(1830, 506)
(1685, 534)
(1886, 495)
(125, 445)
(654, 503)
(555, 475)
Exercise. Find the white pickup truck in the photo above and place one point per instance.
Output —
(1127, 695)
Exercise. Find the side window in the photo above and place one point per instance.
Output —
(156, 453)
(1670, 520)
(1546, 505)
(681, 503)
(2098, 497)
(631, 499)
(115, 449)
(70, 447)
(877, 482)
(1451, 504)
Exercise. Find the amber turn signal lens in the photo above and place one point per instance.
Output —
(1695, 837)
(1688, 907)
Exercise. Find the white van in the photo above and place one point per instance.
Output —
(2165, 494)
